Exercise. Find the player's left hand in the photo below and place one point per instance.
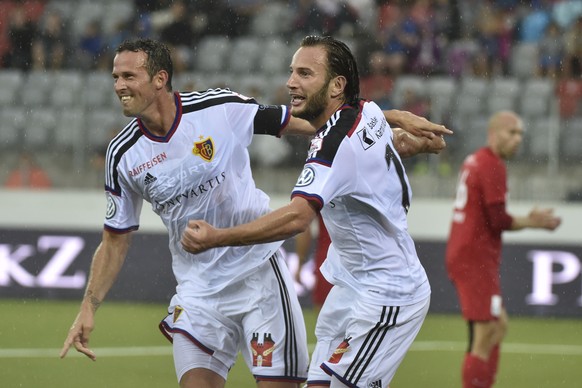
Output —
(435, 145)
(198, 236)
(544, 218)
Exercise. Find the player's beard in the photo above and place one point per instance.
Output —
(314, 105)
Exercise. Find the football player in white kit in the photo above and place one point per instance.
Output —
(186, 154)
(354, 177)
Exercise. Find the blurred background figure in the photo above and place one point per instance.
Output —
(28, 174)
(21, 33)
(51, 44)
(304, 245)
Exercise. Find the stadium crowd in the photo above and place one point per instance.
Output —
(403, 48)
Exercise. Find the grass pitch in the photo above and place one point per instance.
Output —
(132, 353)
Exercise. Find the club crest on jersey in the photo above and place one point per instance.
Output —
(262, 351)
(204, 149)
(178, 310)
(338, 353)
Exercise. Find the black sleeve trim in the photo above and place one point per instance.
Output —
(268, 120)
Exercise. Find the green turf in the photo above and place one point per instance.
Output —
(538, 352)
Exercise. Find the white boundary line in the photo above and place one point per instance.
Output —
(419, 346)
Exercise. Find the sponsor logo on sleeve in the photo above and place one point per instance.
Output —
(306, 178)
(111, 207)
(366, 140)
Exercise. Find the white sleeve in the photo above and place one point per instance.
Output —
(123, 211)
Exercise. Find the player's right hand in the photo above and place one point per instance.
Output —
(79, 334)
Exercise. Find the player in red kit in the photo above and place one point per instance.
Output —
(473, 253)
(303, 242)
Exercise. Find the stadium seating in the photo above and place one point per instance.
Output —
(70, 128)
(40, 126)
(536, 97)
(66, 88)
(524, 60)
(442, 92)
(571, 140)
(472, 96)
(13, 119)
(538, 137)
(406, 83)
(70, 109)
(97, 89)
(11, 81)
(502, 94)
(35, 90)
(211, 54)
(244, 54)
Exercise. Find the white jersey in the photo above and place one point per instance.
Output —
(355, 176)
(199, 170)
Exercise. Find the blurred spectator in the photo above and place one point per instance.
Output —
(399, 38)
(365, 11)
(565, 12)
(91, 48)
(149, 6)
(534, 23)
(427, 57)
(377, 84)
(177, 32)
(569, 92)
(416, 103)
(550, 52)
(51, 43)
(459, 60)
(573, 50)
(494, 34)
(326, 17)
(21, 33)
(138, 26)
(28, 174)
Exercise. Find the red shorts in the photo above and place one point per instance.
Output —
(479, 294)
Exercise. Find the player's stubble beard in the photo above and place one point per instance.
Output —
(314, 105)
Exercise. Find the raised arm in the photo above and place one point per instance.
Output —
(107, 261)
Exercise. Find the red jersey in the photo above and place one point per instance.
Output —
(479, 217)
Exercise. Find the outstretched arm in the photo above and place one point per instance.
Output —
(409, 145)
(415, 125)
(277, 225)
(107, 262)
(297, 126)
(537, 219)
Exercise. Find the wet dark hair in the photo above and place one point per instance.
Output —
(158, 56)
(340, 61)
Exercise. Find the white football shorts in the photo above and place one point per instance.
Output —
(362, 344)
(259, 315)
